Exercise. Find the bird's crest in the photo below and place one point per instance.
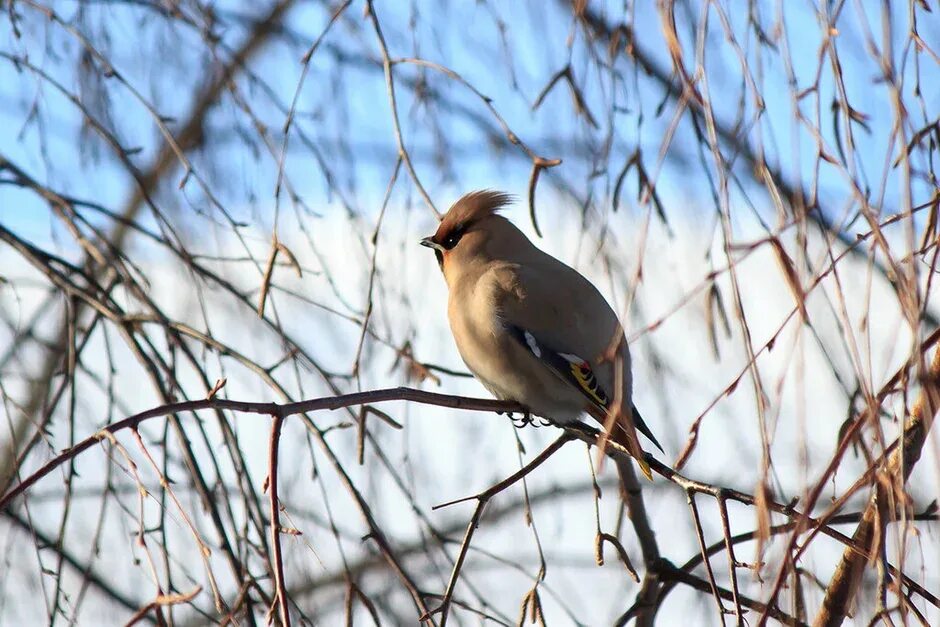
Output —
(469, 209)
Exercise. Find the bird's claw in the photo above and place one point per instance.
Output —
(528, 419)
(519, 423)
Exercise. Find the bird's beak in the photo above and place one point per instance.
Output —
(430, 243)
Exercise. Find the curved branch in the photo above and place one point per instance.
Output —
(272, 409)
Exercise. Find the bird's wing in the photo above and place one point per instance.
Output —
(563, 321)
(578, 373)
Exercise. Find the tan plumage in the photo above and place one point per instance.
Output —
(530, 328)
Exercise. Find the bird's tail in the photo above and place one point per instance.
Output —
(620, 429)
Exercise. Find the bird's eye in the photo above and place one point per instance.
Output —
(451, 240)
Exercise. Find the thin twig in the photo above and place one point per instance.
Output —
(275, 512)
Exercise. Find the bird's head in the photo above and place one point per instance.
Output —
(471, 231)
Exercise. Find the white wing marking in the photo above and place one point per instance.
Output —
(533, 345)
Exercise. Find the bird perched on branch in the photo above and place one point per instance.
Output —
(532, 329)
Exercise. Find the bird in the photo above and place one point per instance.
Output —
(532, 329)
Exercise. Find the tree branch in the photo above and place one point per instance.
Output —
(871, 530)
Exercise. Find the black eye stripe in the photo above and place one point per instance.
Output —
(451, 240)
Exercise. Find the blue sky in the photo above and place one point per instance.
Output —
(344, 109)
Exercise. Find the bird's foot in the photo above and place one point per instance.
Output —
(528, 419)
(524, 421)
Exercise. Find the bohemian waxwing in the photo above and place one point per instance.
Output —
(530, 328)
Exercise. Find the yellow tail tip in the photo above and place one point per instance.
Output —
(645, 468)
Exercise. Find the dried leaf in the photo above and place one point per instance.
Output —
(790, 274)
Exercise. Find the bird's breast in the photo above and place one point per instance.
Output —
(504, 367)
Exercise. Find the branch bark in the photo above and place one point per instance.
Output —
(277, 410)
(870, 532)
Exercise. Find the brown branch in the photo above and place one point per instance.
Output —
(393, 105)
(801, 520)
(670, 572)
(732, 561)
(639, 520)
(281, 411)
(161, 601)
(696, 519)
(272, 409)
(279, 585)
(442, 536)
(190, 136)
(538, 164)
(95, 578)
(268, 275)
(929, 515)
(580, 103)
(482, 499)
(765, 173)
(870, 532)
